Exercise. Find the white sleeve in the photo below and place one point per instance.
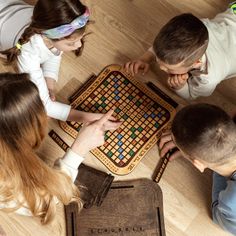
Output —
(197, 86)
(29, 63)
(70, 163)
(51, 67)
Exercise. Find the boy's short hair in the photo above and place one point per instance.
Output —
(205, 132)
(183, 39)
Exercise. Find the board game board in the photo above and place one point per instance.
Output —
(144, 115)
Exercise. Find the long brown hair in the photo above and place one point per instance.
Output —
(49, 14)
(24, 177)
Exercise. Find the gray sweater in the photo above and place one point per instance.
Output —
(15, 16)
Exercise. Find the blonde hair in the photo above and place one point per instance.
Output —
(24, 177)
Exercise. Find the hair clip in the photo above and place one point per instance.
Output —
(233, 7)
(18, 46)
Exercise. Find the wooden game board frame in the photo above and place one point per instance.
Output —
(152, 140)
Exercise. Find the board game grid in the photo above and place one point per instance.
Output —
(144, 115)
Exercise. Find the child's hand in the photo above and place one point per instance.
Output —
(177, 81)
(135, 66)
(91, 135)
(166, 144)
(51, 88)
(111, 124)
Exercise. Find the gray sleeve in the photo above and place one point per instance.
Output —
(224, 208)
(197, 86)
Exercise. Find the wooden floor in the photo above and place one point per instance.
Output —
(124, 29)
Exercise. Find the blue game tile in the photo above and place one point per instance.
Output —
(117, 98)
(120, 143)
(121, 156)
(159, 115)
(116, 85)
(120, 150)
(116, 92)
(119, 136)
(145, 116)
(153, 115)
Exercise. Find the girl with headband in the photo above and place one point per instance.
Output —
(56, 26)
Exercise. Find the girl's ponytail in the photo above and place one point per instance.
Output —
(12, 53)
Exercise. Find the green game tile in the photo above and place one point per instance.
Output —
(131, 153)
(132, 129)
(140, 129)
(110, 154)
(103, 98)
(133, 136)
(117, 110)
(125, 117)
(105, 83)
(103, 105)
(130, 97)
(126, 82)
(96, 105)
(138, 103)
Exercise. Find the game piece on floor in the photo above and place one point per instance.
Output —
(131, 208)
(162, 165)
(58, 140)
(144, 115)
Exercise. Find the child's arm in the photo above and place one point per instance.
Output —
(30, 63)
(50, 70)
(223, 202)
(88, 117)
(140, 64)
